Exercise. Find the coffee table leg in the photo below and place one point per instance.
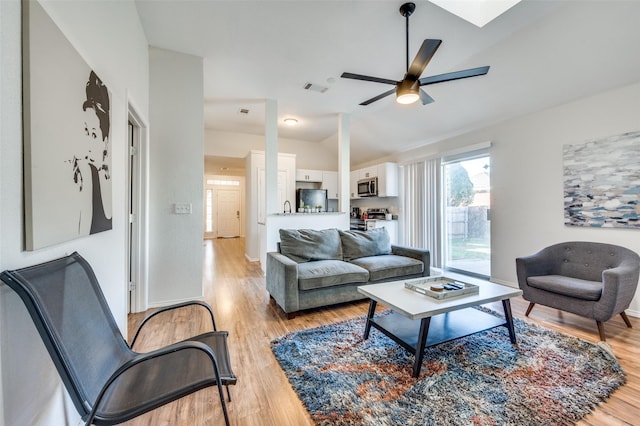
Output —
(506, 305)
(372, 310)
(422, 342)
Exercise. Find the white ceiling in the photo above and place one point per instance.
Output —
(541, 53)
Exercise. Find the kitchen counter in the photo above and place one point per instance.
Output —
(308, 214)
(366, 224)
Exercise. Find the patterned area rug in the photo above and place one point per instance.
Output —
(548, 379)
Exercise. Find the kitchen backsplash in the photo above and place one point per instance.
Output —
(390, 203)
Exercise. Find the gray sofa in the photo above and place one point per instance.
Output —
(315, 268)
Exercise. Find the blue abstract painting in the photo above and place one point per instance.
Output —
(602, 182)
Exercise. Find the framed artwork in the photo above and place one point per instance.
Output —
(67, 137)
(602, 182)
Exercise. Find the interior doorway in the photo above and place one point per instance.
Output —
(136, 248)
(224, 206)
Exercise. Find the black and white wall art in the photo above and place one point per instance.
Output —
(67, 137)
(602, 182)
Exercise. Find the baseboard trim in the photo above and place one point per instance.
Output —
(174, 302)
(504, 282)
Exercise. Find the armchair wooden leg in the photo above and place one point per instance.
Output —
(601, 330)
(624, 316)
(531, 305)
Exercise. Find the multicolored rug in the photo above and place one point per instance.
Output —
(548, 379)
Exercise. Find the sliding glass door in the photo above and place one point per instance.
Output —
(467, 214)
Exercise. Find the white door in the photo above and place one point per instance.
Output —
(228, 208)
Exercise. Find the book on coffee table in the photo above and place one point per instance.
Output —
(441, 287)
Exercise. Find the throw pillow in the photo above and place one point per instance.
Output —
(356, 244)
(304, 245)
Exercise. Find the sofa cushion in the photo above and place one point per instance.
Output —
(389, 266)
(327, 273)
(567, 286)
(356, 244)
(304, 245)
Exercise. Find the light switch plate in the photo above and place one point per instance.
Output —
(182, 208)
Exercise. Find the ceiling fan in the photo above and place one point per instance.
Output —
(408, 90)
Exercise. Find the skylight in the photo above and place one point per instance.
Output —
(478, 12)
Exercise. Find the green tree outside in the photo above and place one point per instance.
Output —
(460, 186)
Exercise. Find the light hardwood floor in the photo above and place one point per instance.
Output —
(236, 290)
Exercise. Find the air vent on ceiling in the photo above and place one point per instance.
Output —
(243, 111)
(315, 87)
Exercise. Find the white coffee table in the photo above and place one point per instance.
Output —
(418, 321)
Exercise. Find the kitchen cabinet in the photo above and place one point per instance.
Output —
(330, 183)
(387, 180)
(353, 185)
(387, 174)
(304, 175)
(392, 229)
(283, 192)
(368, 172)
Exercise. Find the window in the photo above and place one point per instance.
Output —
(466, 213)
(222, 182)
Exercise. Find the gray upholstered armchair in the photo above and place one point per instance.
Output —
(594, 280)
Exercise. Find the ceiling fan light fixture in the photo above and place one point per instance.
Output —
(407, 98)
(408, 92)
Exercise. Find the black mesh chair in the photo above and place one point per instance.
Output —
(108, 382)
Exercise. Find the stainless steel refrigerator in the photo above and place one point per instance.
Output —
(312, 198)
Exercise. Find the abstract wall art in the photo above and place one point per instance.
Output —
(67, 137)
(602, 182)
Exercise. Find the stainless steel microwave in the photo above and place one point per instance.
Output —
(368, 187)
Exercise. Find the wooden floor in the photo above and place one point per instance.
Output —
(236, 290)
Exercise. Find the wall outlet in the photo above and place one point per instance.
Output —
(182, 208)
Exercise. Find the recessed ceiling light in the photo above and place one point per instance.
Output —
(290, 121)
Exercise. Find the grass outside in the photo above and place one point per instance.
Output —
(470, 248)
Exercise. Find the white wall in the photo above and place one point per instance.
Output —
(527, 175)
(31, 389)
(176, 99)
(309, 155)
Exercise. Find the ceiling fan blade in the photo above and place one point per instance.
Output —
(426, 99)
(377, 98)
(367, 78)
(456, 75)
(424, 55)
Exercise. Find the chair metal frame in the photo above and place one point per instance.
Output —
(35, 296)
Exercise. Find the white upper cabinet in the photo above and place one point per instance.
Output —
(304, 175)
(368, 172)
(387, 180)
(330, 183)
(353, 184)
(387, 174)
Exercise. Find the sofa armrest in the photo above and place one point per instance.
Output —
(415, 253)
(618, 288)
(282, 281)
(537, 264)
